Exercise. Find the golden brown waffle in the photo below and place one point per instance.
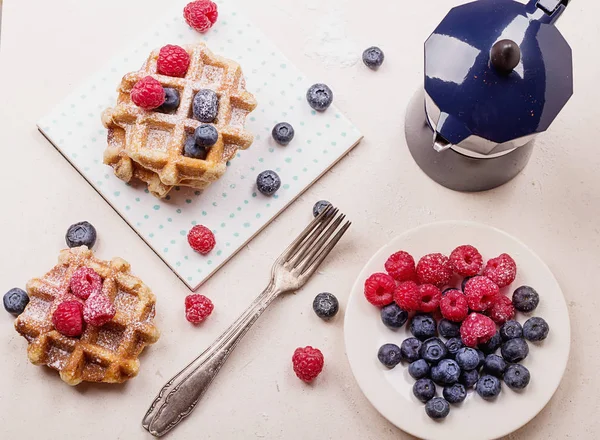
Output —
(101, 354)
(140, 140)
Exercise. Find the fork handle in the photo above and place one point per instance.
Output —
(180, 395)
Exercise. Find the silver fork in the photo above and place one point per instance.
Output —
(291, 271)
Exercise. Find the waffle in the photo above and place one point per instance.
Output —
(101, 354)
(148, 145)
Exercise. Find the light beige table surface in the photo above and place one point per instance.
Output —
(554, 206)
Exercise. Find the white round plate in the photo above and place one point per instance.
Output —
(390, 391)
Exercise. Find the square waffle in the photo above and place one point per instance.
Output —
(108, 353)
(148, 144)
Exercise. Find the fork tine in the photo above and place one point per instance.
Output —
(309, 256)
(299, 254)
(313, 266)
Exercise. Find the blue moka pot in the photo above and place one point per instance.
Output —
(497, 73)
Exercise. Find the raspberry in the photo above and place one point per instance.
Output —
(501, 310)
(477, 329)
(197, 308)
(401, 266)
(85, 282)
(502, 270)
(308, 363)
(466, 260)
(429, 298)
(379, 289)
(454, 306)
(480, 292)
(407, 296)
(98, 310)
(434, 269)
(68, 319)
(201, 239)
(173, 61)
(148, 93)
(201, 14)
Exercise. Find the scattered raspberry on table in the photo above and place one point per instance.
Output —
(68, 318)
(502, 270)
(148, 93)
(308, 363)
(201, 14)
(379, 289)
(401, 266)
(434, 269)
(201, 239)
(197, 308)
(173, 61)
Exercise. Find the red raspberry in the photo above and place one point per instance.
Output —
(201, 14)
(401, 266)
(480, 292)
(308, 363)
(477, 329)
(379, 289)
(407, 296)
(98, 310)
(173, 61)
(429, 298)
(85, 282)
(454, 306)
(434, 269)
(201, 239)
(466, 260)
(197, 308)
(501, 310)
(68, 318)
(501, 270)
(148, 93)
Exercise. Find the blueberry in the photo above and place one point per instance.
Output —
(488, 387)
(491, 345)
(511, 330)
(516, 376)
(319, 207)
(81, 234)
(393, 316)
(525, 299)
(535, 329)
(454, 393)
(326, 305)
(410, 348)
(467, 358)
(446, 372)
(424, 389)
(192, 150)
(171, 100)
(433, 350)
(514, 350)
(464, 283)
(481, 358)
(468, 378)
(494, 365)
(319, 97)
(437, 408)
(423, 327)
(15, 301)
(449, 329)
(268, 182)
(283, 133)
(373, 57)
(205, 105)
(206, 135)
(453, 345)
(389, 355)
(418, 369)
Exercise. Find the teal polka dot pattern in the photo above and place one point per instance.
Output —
(231, 207)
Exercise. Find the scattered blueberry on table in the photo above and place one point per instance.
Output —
(326, 305)
(268, 182)
(81, 234)
(319, 207)
(283, 133)
(15, 301)
(319, 97)
(373, 57)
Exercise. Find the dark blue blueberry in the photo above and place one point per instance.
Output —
(467, 358)
(171, 100)
(494, 365)
(423, 327)
(514, 350)
(191, 149)
(205, 106)
(453, 345)
(525, 299)
(488, 387)
(481, 358)
(319, 97)
(319, 207)
(81, 234)
(373, 57)
(464, 283)
(393, 316)
(511, 330)
(326, 305)
(268, 182)
(446, 372)
(468, 378)
(424, 389)
(449, 329)
(535, 329)
(433, 350)
(491, 345)
(418, 369)
(516, 376)
(449, 289)
(206, 136)
(454, 393)
(15, 301)
(437, 408)
(389, 355)
(410, 348)
(283, 133)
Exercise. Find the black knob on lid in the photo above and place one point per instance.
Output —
(505, 56)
